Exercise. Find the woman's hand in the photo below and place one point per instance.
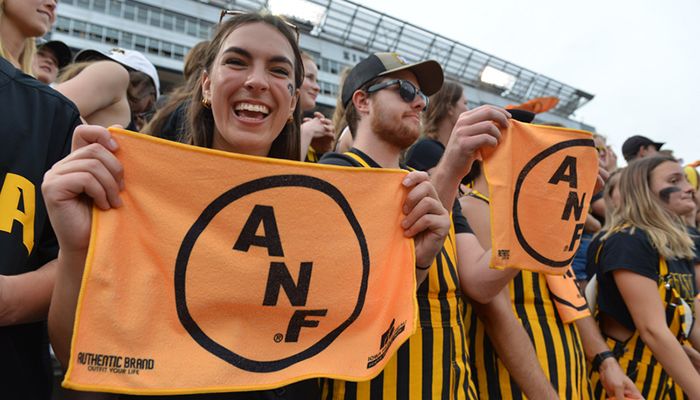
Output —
(89, 174)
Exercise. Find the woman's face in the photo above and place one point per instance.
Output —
(310, 88)
(458, 108)
(668, 182)
(33, 18)
(251, 89)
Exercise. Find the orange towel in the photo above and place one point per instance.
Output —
(567, 297)
(225, 272)
(541, 180)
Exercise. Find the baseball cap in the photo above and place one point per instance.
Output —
(131, 59)
(429, 73)
(59, 49)
(634, 143)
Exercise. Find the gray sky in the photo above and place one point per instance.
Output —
(641, 59)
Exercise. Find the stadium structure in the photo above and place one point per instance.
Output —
(338, 33)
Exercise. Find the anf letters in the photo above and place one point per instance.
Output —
(567, 173)
(279, 276)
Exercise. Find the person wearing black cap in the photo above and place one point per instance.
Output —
(50, 57)
(383, 97)
(639, 147)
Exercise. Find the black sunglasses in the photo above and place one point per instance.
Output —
(236, 12)
(407, 90)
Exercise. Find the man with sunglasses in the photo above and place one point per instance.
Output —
(383, 97)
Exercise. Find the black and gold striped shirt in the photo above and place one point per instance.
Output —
(434, 362)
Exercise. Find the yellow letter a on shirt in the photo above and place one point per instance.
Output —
(17, 203)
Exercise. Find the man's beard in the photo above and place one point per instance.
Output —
(393, 129)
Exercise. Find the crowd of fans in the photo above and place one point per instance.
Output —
(483, 333)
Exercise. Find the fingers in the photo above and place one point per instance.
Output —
(87, 134)
(92, 170)
(98, 154)
(428, 214)
(415, 177)
(108, 196)
(485, 113)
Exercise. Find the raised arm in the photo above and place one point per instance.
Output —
(100, 86)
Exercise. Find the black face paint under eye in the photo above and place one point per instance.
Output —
(665, 193)
(291, 89)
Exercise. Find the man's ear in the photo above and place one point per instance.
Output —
(360, 99)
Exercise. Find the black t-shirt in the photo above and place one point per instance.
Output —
(632, 250)
(176, 125)
(458, 219)
(36, 126)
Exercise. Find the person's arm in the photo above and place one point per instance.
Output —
(476, 279)
(25, 297)
(694, 337)
(100, 85)
(474, 129)
(613, 379)
(514, 347)
(477, 213)
(90, 171)
(640, 296)
(694, 356)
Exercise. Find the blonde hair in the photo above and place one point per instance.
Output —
(642, 209)
(28, 50)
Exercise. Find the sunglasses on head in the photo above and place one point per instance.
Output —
(407, 90)
(234, 13)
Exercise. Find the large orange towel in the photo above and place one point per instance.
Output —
(541, 180)
(224, 272)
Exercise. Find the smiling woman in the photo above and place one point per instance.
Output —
(244, 104)
(20, 22)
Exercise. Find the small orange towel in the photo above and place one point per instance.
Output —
(567, 297)
(541, 180)
(225, 272)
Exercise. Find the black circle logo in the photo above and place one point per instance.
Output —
(188, 243)
(516, 197)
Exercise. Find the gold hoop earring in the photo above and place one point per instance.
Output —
(206, 103)
(290, 119)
